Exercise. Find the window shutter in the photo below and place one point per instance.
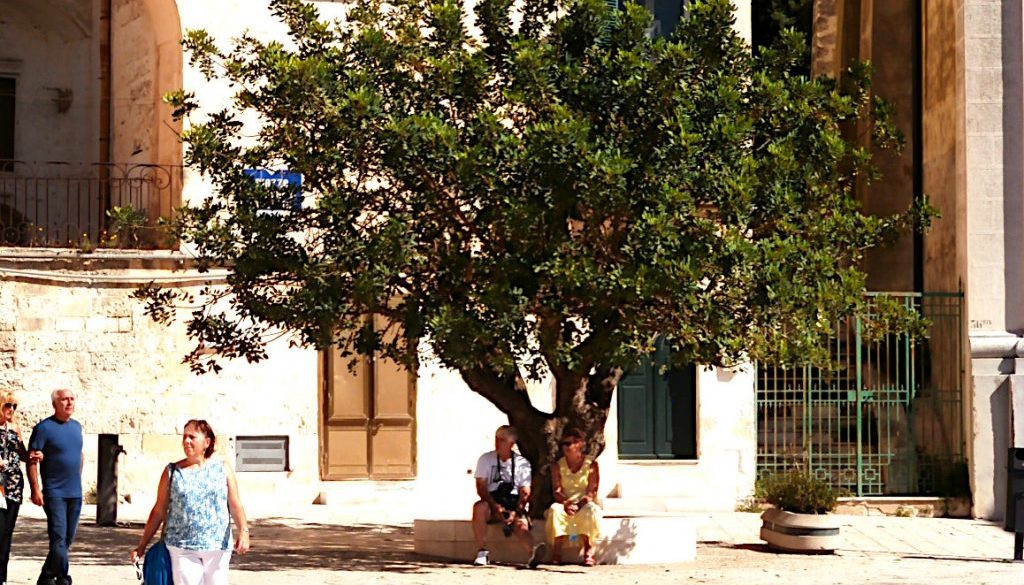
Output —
(636, 413)
(675, 428)
(657, 409)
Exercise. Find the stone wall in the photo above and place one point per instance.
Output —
(944, 171)
(133, 89)
(128, 375)
(994, 159)
(891, 268)
(47, 48)
(58, 330)
(72, 323)
(726, 466)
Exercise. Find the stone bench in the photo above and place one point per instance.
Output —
(625, 540)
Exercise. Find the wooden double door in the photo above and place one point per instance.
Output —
(368, 420)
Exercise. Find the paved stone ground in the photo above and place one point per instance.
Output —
(318, 546)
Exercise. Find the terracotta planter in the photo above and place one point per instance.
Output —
(806, 533)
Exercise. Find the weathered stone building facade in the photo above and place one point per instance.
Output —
(954, 70)
(67, 318)
(81, 83)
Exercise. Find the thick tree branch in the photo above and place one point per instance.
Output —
(508, 393)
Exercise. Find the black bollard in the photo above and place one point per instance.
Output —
(106, 480)
(1018, 534)
(1014, 518)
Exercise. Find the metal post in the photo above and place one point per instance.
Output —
(807, 424)
(106, 480)
(1018, 535)
(860, 429)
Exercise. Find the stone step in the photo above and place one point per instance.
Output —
(641, 506)
(625, 540)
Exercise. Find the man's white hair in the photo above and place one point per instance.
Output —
(56, 394)
(507, 432)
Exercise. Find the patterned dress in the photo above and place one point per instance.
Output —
(14, 479)
(197, 515)
(587, 520)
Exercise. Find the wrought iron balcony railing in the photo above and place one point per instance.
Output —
(86, 205)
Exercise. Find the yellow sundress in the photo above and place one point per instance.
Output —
(587, 520)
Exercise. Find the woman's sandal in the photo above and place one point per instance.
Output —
(589, 560)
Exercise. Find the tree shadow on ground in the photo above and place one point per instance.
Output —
(760, 547)
(959, 558)
(94, 545)
(277, 545)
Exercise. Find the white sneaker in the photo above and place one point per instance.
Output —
(481, 558)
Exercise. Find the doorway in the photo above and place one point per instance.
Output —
(657, 409)
(368, 420)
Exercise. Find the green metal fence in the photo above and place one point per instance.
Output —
(886, 420)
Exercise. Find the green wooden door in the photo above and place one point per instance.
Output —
(657, 410)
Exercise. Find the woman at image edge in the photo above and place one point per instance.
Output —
(194, 504)
(12, 453)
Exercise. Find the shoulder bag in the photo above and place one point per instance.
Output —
(156, 566)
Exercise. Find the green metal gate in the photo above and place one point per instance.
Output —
(887, 420)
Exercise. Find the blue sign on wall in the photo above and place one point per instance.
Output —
(280, 179)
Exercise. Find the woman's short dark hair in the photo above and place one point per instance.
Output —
(204, 427)
(573, 433)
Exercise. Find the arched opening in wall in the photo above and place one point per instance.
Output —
(89, 156)
(145, 63)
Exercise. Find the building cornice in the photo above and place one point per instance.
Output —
(995, 344)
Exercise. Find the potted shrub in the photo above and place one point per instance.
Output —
(799, 520)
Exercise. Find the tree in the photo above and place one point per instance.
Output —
(545, 194)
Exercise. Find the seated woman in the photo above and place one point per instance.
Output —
(574, 478)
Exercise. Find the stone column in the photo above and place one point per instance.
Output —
(997, 367)
(993, 103)
(826, 43)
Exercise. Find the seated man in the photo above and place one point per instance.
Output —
(503, 484)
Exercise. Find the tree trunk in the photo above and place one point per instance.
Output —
(581, 402)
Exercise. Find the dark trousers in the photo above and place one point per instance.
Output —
(7, 519)
(61, 523)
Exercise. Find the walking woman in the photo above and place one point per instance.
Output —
(12, 453)
(194, 499)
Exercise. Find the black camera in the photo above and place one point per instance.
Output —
(504, 497)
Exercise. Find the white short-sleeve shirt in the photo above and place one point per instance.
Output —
(489, 468)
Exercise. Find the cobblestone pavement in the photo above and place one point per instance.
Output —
(877, 550)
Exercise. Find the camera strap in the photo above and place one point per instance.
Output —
(498, 477)
(512, 471)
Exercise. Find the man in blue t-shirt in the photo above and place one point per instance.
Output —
(57, 440)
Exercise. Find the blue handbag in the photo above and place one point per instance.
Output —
(156, 567)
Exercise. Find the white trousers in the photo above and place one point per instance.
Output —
(199, 567)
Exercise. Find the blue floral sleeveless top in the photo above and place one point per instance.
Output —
(197, 514)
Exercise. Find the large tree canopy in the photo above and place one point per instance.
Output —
(537, 187)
